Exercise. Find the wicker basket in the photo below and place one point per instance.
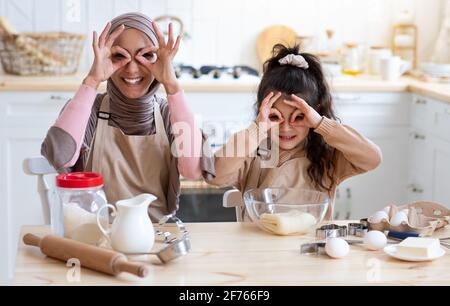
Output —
(53, 53)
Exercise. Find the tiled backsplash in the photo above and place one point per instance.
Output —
(224, 32)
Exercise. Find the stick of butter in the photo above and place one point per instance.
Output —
(420, 247)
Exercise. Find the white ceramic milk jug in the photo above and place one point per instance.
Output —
(132, 230)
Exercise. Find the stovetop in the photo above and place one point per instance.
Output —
(215, 72)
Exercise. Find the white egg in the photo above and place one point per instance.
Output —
(375, 240)
(387, 210)
(405, 211)
(337, 247)
(399, 218)
(378, 217)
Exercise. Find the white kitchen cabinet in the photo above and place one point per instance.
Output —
(366, 109)
(19, 204)
(420, 175)
(441, 172)
(386, 184)
(429, 175)
(429, 156)
(384, 119)
(24, 121)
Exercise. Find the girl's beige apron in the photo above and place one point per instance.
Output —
(291, 174)
(131, 165)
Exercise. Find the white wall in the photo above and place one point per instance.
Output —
(224, 32)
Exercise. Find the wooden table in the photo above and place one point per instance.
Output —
(240, 254)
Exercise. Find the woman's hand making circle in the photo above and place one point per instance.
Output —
(108, 59)
(158, 60)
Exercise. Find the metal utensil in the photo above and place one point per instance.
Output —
(177, 245)
(315, 248)
(357, 229)
(169, 236)
(318, 248)
(175, 249)
(331, 231)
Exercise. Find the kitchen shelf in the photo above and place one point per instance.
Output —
(409, 30)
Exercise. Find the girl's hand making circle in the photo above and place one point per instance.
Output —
(268, 117)
(158, 61)
(108, 59)
(304, 115)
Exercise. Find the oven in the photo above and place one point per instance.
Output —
(200, 202)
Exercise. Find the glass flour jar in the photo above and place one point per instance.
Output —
(79, 196)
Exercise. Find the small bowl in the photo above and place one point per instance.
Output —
(286, 211)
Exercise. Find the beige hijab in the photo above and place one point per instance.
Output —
(133, 115)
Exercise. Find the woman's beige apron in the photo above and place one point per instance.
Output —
(291, 174)
(131, 165)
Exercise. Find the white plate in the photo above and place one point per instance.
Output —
(392, 251)
(436, 70)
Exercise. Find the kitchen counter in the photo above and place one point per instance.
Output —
(240, 254)
(72, 82)
(244, 84)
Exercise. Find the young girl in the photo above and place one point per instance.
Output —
(315, 151)
(126, 133)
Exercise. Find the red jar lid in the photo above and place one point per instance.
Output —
(79, 180)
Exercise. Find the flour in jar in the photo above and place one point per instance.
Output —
(81, 225)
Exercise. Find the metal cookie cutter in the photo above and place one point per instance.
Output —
(315, 248)
(176, 245)
(357, 229)
(167, 237)
(331, 231)
(318, 248)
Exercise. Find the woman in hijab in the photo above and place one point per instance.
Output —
(127, 133)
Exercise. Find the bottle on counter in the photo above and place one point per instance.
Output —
(352, 59)
(376, 54)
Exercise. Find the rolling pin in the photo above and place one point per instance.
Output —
(92, 257)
